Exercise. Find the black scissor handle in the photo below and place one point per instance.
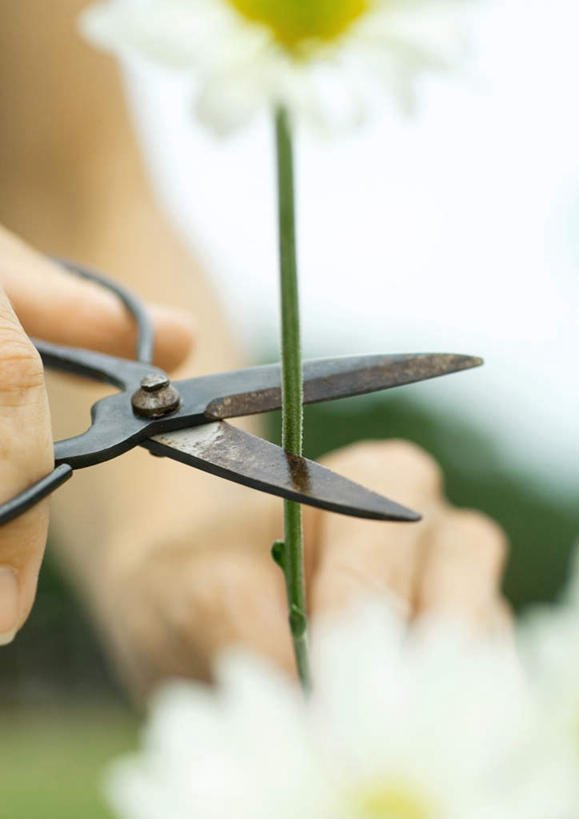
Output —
(120, 372)
(145, 329)
(21, 503)
(94, 365)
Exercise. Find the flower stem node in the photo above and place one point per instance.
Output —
(298, 622)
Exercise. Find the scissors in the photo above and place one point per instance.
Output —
(187, 420)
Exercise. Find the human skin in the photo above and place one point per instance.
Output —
(175, 564)
(43, 295)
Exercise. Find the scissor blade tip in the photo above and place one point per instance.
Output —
(470, 360)
(396, 513)
(475, 360)
(454, 362)
(408, 516)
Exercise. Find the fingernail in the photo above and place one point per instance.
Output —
(9, 605)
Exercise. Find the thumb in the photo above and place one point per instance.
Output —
(54, 305)
(27, 455)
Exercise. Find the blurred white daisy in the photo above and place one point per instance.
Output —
(422, 727)
(549, 640)
(325, 59)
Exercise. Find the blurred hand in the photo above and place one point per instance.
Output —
(39, 298)
(187, 599)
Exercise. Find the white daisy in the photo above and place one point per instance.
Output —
(549, 640)
(325, 59)
(424, 727)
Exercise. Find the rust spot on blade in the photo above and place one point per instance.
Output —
(245, 403)
(358, 376)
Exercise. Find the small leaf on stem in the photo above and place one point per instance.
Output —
(278, 553)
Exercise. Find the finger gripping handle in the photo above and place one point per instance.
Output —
(29, 497)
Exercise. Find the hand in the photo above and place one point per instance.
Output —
(217, 585)
(451, 562)
(52, 305)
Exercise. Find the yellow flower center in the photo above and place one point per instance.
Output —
(391, 800)
(295, 22)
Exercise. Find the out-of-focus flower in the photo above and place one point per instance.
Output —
(424, 726)
(549, 642)
(326, 59)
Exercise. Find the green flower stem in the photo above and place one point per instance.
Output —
(292, 391)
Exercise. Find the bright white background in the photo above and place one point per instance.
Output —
(456, 231)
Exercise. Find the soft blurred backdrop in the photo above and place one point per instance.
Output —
(453, 231)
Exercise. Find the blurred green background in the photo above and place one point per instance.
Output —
(63, 716)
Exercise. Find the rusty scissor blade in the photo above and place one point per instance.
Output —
(236, 455)
(258, 389)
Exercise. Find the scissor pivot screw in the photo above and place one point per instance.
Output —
(156, 397)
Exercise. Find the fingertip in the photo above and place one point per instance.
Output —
(9, 604)
(7, 638)
(22, 544)
(58, 307)
(17, 595)
(175, 333)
